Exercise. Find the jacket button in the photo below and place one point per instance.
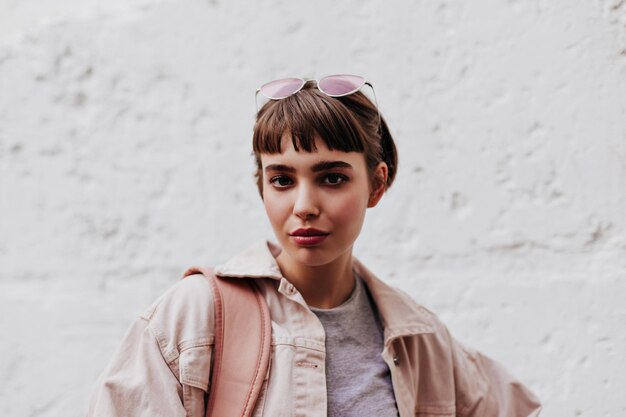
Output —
(396, 361)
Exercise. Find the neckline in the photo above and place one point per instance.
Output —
(358, 288)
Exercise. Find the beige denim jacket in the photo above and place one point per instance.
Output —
(163, 365)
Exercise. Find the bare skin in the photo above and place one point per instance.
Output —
(330, 192)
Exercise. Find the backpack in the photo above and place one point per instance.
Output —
(242, 344)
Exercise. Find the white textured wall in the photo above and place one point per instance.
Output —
(124, 157)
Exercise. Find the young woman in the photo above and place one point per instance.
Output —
(343, 342)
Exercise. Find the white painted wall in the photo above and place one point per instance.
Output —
(125, 157)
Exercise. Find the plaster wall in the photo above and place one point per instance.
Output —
(125, 132)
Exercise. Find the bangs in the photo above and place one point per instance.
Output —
(303, 116)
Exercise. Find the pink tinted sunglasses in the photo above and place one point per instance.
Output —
(332, 85)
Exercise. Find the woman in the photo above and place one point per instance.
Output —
(343, 342)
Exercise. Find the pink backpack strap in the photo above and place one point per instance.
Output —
(242, 345)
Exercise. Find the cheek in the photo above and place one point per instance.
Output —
(277, 209)
(350, 209)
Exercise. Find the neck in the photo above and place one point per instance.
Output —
(324, 286)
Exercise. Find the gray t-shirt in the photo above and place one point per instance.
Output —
(358, 381)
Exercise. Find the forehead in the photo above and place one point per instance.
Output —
(303, 159)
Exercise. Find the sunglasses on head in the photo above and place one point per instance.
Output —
(332, 85)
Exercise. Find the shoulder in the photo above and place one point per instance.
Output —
(183, 317)
(477, 384)
(194, 289)
(400, 313)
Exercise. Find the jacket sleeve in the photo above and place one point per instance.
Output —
(484, 388)
(138, 382)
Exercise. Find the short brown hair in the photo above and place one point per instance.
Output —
(349, 124)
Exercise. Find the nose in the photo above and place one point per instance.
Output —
(306, 205)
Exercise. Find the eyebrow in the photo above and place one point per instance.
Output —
(326, 165)
(320, 166)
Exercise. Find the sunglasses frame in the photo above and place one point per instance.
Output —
(317, 83)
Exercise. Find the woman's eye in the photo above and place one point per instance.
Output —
(335, 179)
(280, 181)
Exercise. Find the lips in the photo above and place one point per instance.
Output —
(308, 232)
(308, 237)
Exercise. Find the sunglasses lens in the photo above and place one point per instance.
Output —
(341, 85)
(282, 88)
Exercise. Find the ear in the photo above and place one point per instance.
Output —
(380, 182)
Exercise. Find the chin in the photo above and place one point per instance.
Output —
(313, 256)
(309, 256)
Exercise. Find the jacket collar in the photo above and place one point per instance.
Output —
(258, 261)
(400, 314)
